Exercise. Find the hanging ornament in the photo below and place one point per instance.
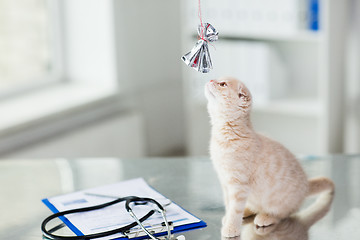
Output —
(199, 57)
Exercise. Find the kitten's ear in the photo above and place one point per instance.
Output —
(242, 93)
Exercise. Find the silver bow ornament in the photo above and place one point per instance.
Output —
(199, 57)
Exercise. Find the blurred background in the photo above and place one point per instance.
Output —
(91, 78)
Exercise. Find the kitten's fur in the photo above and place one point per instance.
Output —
(258, 175)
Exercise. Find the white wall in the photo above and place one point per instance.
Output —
(149, 69)
(116, 136)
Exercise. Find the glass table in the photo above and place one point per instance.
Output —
(190, 182)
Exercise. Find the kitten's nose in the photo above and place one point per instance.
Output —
(212, 80)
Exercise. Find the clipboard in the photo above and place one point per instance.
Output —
(181, 219)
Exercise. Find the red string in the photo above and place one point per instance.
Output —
(201, 23)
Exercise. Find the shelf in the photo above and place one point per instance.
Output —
(300, 36)
(302, 107)
(299, 107)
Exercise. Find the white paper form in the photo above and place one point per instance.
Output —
(116, 216)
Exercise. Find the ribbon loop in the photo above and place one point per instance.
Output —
(209, 32)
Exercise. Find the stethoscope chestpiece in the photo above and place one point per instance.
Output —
(160, 209)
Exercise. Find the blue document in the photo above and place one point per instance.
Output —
(116, 216)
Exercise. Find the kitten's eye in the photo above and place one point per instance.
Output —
(241, 95)
(223, 84)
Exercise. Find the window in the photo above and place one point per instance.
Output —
(69, 44)
(26, 48)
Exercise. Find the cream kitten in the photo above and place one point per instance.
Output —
(258, 175)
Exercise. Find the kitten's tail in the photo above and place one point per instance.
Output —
(320, 185)
(321, 206)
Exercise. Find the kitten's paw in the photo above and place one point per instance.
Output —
(262, 231)
(230, 231)
(265, 220)
(231, 238)
(223, 221)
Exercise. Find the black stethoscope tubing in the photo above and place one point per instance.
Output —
(129, 199)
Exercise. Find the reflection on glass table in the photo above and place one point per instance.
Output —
(190, 182)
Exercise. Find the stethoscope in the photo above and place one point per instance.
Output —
(49, 234)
